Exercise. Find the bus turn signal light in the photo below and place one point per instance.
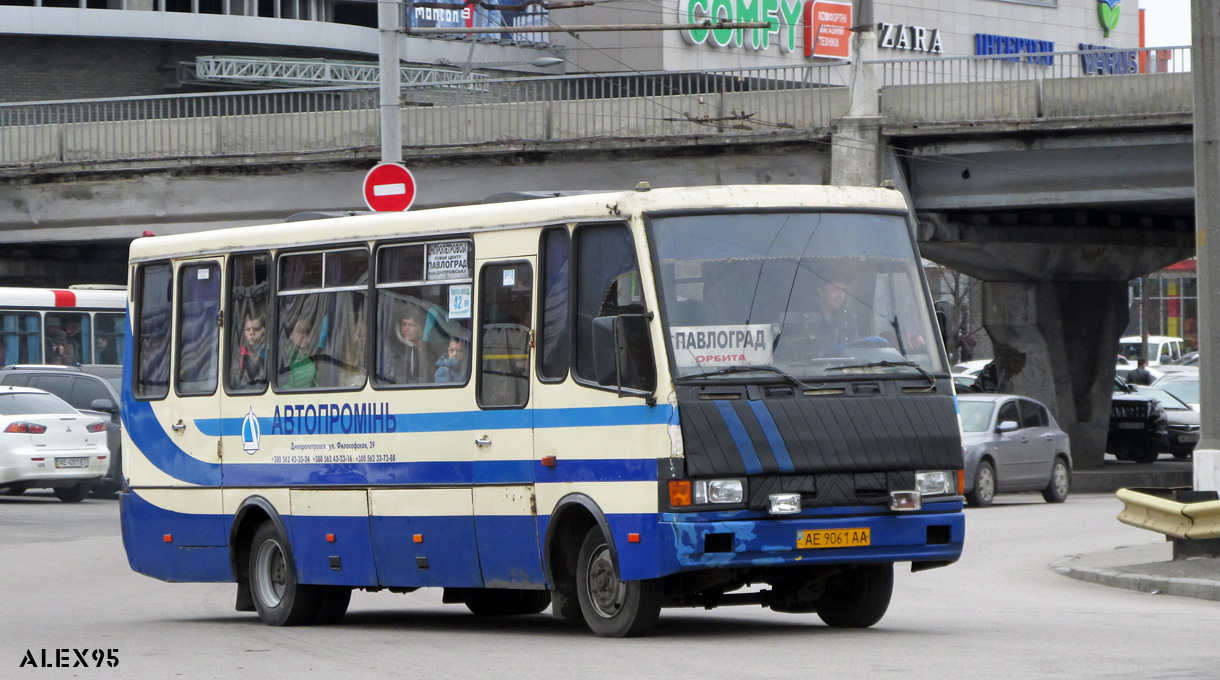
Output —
(679, 493)
(961, 482)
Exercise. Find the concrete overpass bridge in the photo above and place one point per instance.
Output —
(1053, 183)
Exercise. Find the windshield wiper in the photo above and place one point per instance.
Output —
(887, 364)
(746, 368)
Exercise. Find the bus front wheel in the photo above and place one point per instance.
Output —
(278, 598)
(857, 597)
(613, 607)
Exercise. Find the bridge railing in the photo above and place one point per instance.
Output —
(476, 111)
(1037, 85)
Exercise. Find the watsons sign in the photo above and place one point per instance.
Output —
(794, 24)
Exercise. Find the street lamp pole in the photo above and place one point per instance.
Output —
(391, 90)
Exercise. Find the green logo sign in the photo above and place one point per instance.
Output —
(1107, 12)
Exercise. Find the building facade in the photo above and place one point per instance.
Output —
(70, 49)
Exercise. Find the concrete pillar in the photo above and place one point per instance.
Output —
(856, 139)
(1050, 341)
(1205, 70)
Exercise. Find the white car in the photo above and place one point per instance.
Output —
(971, 368)
(1162, 349)
(45, 443)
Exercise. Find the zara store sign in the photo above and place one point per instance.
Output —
(914, 38)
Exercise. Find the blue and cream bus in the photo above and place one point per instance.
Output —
(604, 403)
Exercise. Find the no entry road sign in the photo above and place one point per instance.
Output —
(389, 187)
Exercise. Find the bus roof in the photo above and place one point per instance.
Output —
(521, 213)
(64, 298)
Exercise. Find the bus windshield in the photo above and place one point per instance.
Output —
(793, 295)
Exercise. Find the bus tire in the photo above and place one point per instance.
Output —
(613, 607)
(857, 597)
(332, 604)
(278, 598)
(501, 602)
(73, 494)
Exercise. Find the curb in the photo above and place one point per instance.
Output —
(1202, 589)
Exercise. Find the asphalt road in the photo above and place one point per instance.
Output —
(998, 613)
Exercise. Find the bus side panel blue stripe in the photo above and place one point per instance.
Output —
(774, 439)
(353, 547)
(144, 527)
(434, 473)
(508, 551)
(448, 546)
(738, 432)
(461, 421)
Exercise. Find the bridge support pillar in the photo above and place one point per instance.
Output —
(1052, 341)
(855, 152)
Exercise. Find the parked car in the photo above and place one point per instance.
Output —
(1139, 428)
(1183, 422)
(45, 443)
(1012, 443)
(92, 390)
(1162, 349)
(1184, 386)
(970, 368)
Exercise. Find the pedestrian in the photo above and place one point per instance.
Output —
(1141, 375)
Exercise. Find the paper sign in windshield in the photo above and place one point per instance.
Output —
(719, 346)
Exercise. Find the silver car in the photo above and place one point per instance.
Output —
(1012, 443)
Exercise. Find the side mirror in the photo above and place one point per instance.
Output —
(103, 405)
(622, 355)
(1007, 426)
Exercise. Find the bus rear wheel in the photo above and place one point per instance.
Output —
(613, 607)
(278, 598)
(857, 597)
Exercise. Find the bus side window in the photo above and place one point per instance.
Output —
(607, 285)
(322, 301)
(108, 338)
(554, 313)
(504, 335)
(19, 339)
(198, 328)
(423, 313)
(248, 307)
(154, 287)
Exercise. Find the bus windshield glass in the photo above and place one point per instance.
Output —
(793, 296)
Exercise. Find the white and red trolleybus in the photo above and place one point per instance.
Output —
(89, 320)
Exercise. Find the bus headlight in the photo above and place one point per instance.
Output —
(936, 483)
(717, 491)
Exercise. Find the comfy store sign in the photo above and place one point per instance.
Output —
(820, 28)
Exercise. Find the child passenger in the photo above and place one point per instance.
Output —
(452, 366)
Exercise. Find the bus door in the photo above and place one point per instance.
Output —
(504, 506)
(193, 400)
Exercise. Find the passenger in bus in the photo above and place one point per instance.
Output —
(105, 352)
(251, 368)
(452, 366)
(57, 341)
(415, 361)
(74, 338)
(301, 369)
(68, 358)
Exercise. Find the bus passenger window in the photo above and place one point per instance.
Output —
(607, 284)
(155, 283)
(199, 329)
(554, 336)
(423, 313)
(248, 307)
(504, 335)
(19, 339)
(322, 315)
(108, 338)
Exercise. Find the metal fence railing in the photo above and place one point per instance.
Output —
(1037, 85)
(475, 111)
(727, 104)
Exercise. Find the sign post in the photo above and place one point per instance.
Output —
(389, 187)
